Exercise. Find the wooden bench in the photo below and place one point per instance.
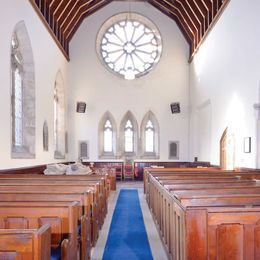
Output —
(213, 176)
(98, 181)
(61, 216)
(29, 244)
(195, 220)
(89, 232)
(99, 198)
(195, 172)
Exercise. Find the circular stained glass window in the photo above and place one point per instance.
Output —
(129, 44)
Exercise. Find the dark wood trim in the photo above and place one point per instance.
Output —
(140, 165)
(211, 26)
(47, 26)
(35, 169)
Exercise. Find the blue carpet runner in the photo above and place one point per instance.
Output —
(127, 238)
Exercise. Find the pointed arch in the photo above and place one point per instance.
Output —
(150, 131)
(22, 94)
(129, 135)
(107, 133)
(227, 150)
(59, 117)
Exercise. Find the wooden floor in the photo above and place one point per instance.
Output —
(153, 236)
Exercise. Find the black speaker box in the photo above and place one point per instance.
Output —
(175, 107)
(81, 107)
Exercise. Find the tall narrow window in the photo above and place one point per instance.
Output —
(108, 137)
(23, 94)
(18, 108)
(129, 137)
(56, 117)
(149, 137)
(59, 117)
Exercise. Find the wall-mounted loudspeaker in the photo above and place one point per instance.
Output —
(81, 107)
(175, 107)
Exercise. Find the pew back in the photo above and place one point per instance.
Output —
(30, 244)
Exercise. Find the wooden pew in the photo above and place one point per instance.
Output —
(201, 175)
(148, 171)
(195, 171)
(29, 244)
(99, 203)
(89, 232)
(177, 214)
(202, 223)
(71, 180)
(61, 216)
(99, 181)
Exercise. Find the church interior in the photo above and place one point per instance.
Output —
(128, 129)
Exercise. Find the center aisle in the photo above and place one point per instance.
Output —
(127, 238)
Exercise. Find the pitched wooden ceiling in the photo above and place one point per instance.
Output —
(63, 17)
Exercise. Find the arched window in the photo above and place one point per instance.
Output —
(128, 135)
(18, 108)
(59, 118)
(22, 94)
(150, 136)
(107, 136)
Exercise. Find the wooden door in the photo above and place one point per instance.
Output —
(227, 150)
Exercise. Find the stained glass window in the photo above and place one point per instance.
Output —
(108, 137)
(129, 137)
(149, 137)
(129, 47)
(18, 108)
(56, 117)
(22, 94)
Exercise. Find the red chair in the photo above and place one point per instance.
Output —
(129, 171)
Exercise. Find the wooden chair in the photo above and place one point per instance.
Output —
(119, 172)
(129, 171)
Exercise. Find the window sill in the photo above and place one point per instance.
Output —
(150, 156)
(58, 155)
(107, 156)
(21, 153)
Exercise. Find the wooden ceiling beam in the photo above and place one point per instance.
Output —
(68, 15)
(199, 7)
(197, 13)
(187, 19)
(195, 18)
(84, 12)
(170, 13)
(209, 6)
(192, 17)
(63, 8)
(75, 9)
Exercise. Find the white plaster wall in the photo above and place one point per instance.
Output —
(48, 60)
(90, 81)
(226, 71)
